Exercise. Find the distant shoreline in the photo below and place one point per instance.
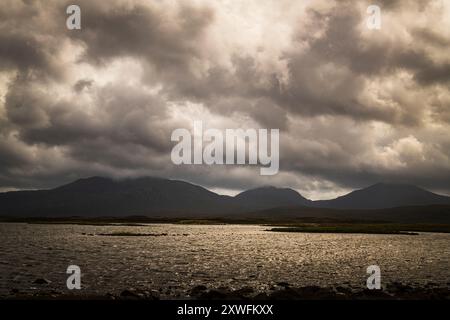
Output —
(305, 225)
(342, 229)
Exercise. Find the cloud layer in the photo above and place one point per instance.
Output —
(354, 106)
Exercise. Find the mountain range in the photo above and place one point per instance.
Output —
(158, 197)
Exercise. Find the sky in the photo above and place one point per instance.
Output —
(354, 106)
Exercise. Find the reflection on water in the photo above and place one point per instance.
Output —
(228, 255)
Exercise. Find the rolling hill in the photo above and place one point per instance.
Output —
(158, 197)
(382, 195)
(270, 197)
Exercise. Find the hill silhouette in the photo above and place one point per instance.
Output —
(270, 197)
(158, 197)
(383, 195)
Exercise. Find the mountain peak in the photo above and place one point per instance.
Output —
(100, 196)
(271, 197)
(86, 183)
(385, 195)
(270, 190)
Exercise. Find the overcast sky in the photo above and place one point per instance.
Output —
(354, 106)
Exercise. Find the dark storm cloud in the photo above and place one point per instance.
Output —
(125, 127)
(432, 37)
(327, 78)
(18, 51)
(121, 116)
(354, 107)
(28, 40)
(82, 84)
(143, 32)
(439, 74)
(352, 61)
(11, 156)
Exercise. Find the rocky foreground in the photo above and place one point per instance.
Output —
(281, 291)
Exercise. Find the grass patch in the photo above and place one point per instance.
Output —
(276, 224)
(373, 228)
(132, 234)
(353, 229)
(367, 227)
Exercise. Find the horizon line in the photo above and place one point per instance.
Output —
(217, 190)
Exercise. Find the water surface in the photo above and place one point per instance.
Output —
(234, 256)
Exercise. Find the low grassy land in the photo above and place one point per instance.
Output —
(143, 221)
(372, 228)
(132, 234)
(308, 224)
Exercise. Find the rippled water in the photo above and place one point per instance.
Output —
(227, 255)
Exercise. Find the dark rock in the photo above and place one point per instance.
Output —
(197, 290)
(344, 290)
(219, 294)
(153, 295)
(285, 294)
(399, 288)
(261, 296)
(110, 296)
(367, 294)
(283, 284)
(214, 295)
(130, 294)
(41, 281)
(245, 291)
(316, 293)
(440, 294)
(306, 293)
